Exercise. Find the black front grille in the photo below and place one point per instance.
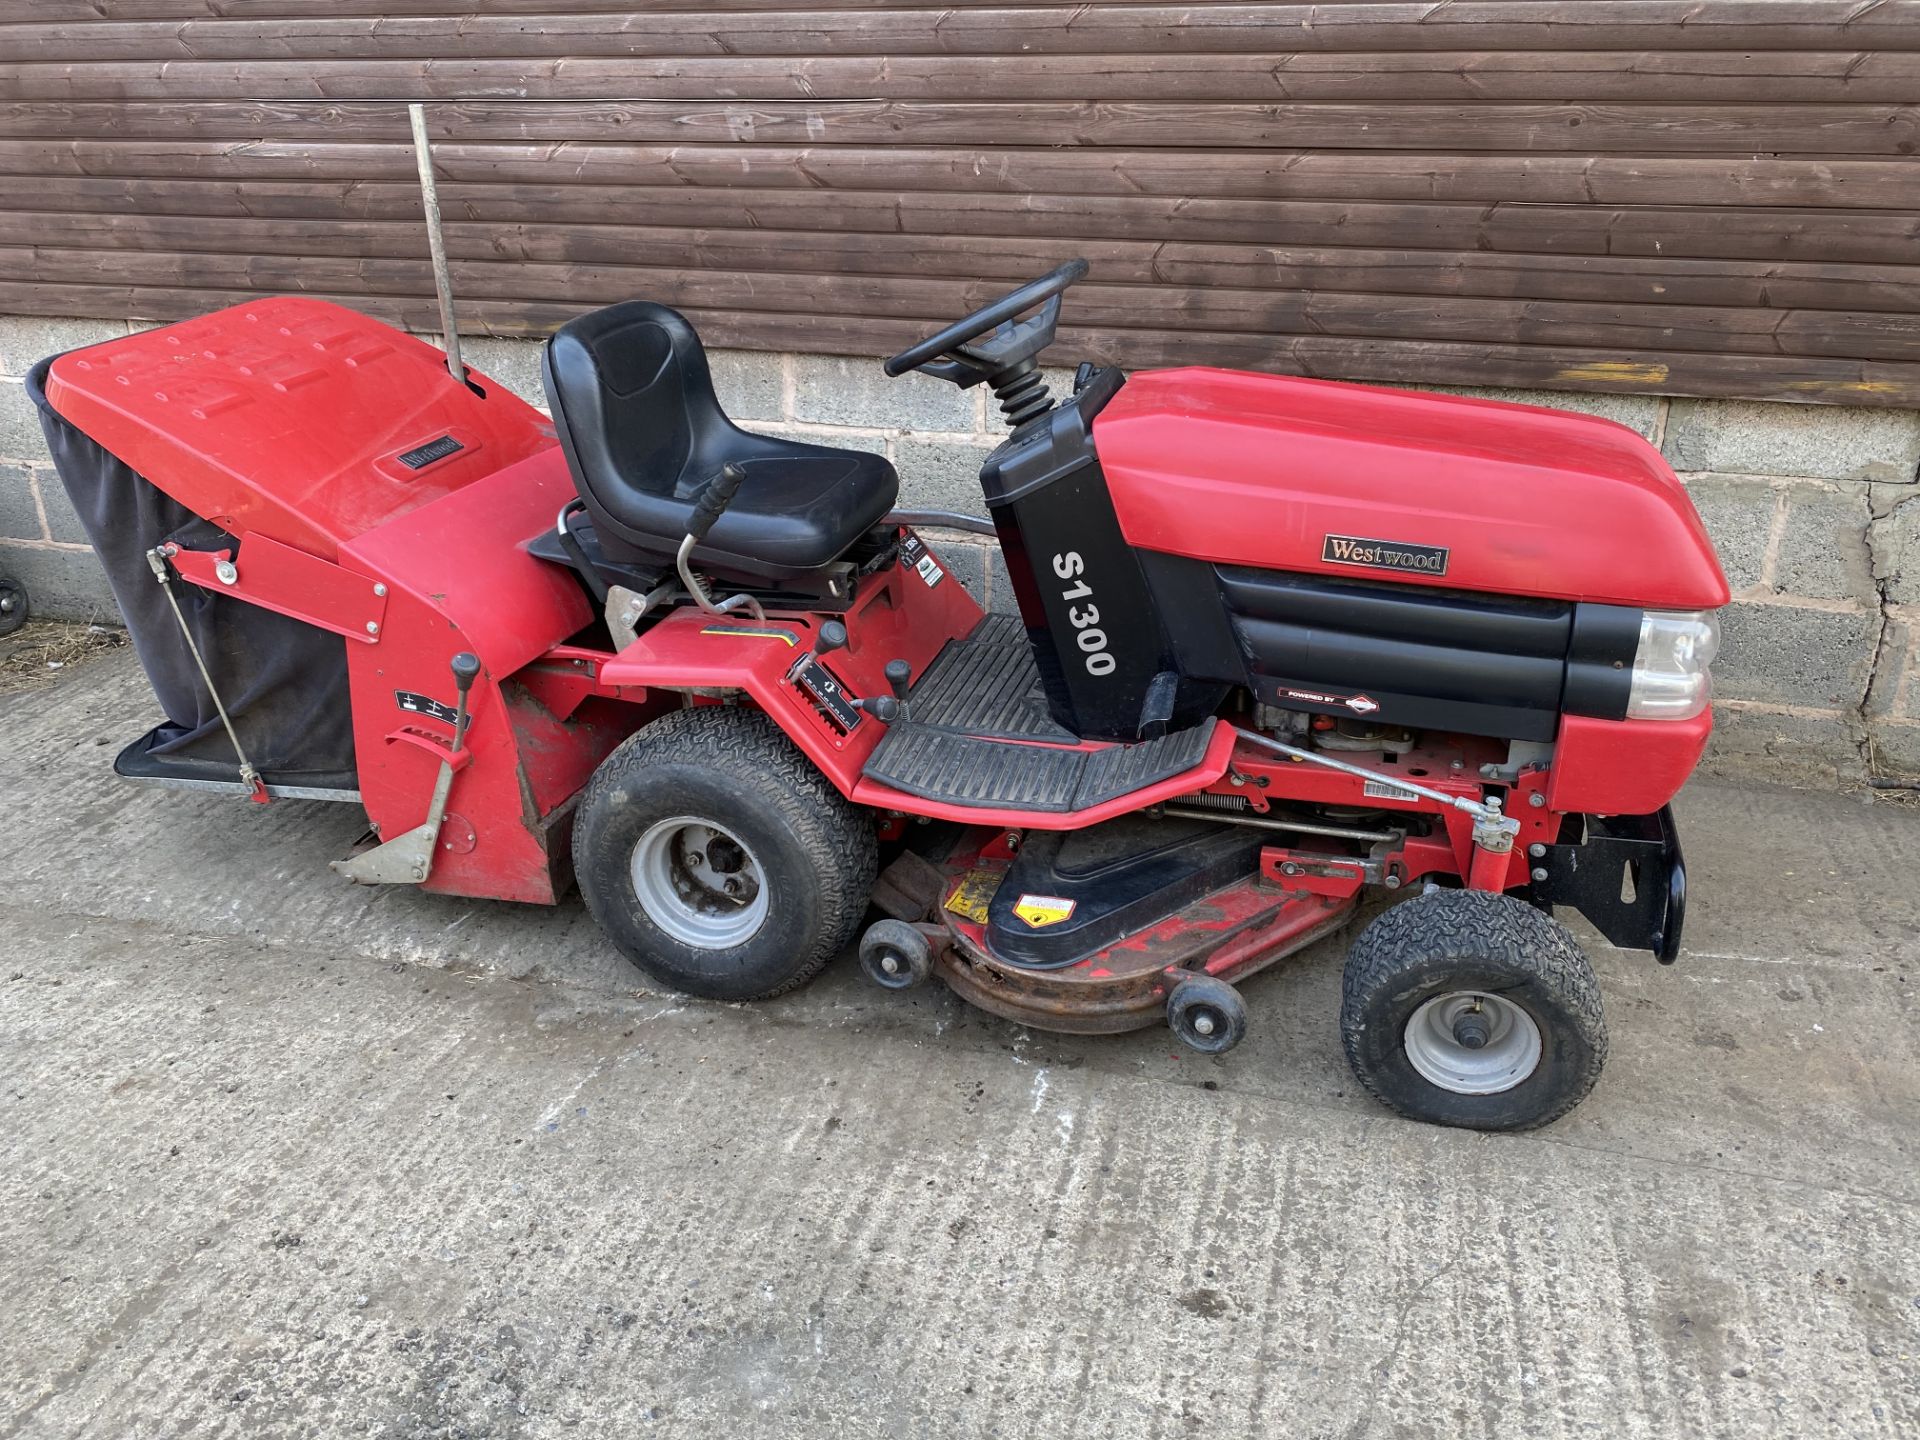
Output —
(1498, 665)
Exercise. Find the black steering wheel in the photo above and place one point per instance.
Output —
(1010, 342)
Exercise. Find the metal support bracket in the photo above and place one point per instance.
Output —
(1626, 875)
(627, 608)
(291, 582)
(406, 859)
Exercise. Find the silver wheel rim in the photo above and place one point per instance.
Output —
(699, 883)
(1437, 1043)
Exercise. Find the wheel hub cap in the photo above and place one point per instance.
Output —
(1472, 1043)
(698, 882)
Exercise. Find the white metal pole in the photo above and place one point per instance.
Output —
(436, 243)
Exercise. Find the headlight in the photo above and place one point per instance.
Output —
(1670, 679)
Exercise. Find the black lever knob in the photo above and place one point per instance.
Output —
(900, 677)
(714, 498)
(466, 669)
(832, 636)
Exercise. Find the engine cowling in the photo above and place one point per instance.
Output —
(1313, 477)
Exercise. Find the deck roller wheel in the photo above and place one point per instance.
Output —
(1207, 1014)
(895, 955)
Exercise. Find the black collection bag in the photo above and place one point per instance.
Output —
(284, 681)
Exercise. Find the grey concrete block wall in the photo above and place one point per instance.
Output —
(41, 543)
(1815, 511)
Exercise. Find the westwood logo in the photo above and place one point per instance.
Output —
(1384, 555)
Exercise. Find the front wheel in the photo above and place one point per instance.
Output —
(718, 859)
(1465, 1008)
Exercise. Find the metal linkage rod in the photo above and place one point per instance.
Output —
(1493, 829)
(250, 777)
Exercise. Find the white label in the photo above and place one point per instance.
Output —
(929, 571)
(1381, 790)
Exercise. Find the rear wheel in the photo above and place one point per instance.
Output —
(1465, 1008)
(718, 859)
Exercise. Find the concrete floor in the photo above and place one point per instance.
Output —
(283, 1157)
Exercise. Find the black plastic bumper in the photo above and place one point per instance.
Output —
(1627, 876)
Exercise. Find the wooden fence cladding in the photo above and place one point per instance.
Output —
(1708, 197)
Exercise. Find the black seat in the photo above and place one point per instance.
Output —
(633, 402)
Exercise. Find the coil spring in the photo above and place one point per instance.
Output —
(1022, 397)
(1207, 801)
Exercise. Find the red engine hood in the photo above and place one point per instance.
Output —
(1274, 472)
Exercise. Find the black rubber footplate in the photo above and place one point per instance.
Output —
(984, 773)
(986, 685)
(975, 715)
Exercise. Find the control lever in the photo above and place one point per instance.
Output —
(832, 637)
(900, 678)
(466, 669)
(714, 499)
(408, 859)
(885, 708)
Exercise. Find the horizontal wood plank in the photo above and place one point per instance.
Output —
(1216, 309)
(112, 12)
(1099, 29)
(1759, 286)
(1777, 76)
(1831, 381)
(1861, 238)
(1266, 174)
(1643, 129)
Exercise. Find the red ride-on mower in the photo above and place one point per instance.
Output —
(1280, 642)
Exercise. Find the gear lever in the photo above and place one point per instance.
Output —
(885, 708)
(900, 678)
(832, 637)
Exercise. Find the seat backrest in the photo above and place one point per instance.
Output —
(632, 398)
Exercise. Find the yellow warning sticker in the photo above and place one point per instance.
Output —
(1040, 911)
(971, 896)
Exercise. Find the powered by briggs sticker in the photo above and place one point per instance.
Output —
(1040, 911)
(1359, 704)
